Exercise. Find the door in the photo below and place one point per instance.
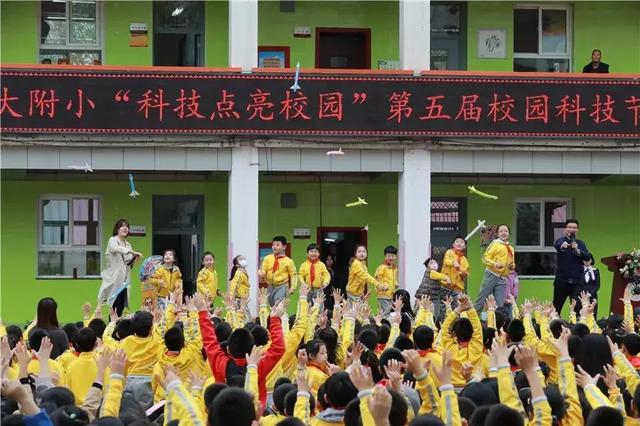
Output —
(178, 32)
(343, 48)
(448, 35)
(178, 223)
(448, 220)
(340, 243)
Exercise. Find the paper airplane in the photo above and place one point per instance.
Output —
(295, 86)
(473, 190)
(338, 152)
(132, 186)
(360, 202)
(365, 228)
(86, 167)
(481, 224)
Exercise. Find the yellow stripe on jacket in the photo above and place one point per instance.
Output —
(207, 283)
(457, 276)
(285, 274)
(387, 280)
(359, 278)
(322, 278)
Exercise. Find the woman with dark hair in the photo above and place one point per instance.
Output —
(116, 277)
(47, 319)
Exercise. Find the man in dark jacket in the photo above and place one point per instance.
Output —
(595, 66)
(570, 267)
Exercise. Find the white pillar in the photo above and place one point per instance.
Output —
(414, 215)
(415, 35)
(243, 34)
(243, 213)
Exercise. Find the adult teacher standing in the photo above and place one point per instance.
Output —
(570, 267)
(116, 277)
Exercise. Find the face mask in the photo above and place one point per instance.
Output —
(434, 266)
(242, 263)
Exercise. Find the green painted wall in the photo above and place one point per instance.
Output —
(620, 43)
(19, 32)
(489, 15)
(18, 263)
(118, 15)
(275, 28)
(217, 34)
(602, 229)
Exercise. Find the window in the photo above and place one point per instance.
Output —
(538, 223)
(541, 38)
(69, 237)
(70, 32)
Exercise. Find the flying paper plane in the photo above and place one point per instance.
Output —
(132, 186)
(295, 86)
(360, 202)
(481, 225)
(86, 167)
(338, 152)
(473, 190)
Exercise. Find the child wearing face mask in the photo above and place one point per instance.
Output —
(207, 281)
(431, 285)
(499, 259)
(167, 278)
(239, 280)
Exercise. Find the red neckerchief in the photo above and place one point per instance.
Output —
(635, 361)
(509, 248)
(276, 264)
(380, 348)
(463, 344)
(459, 254)
(424, 352)
(312, 269)
(318, 366)
(384, 382)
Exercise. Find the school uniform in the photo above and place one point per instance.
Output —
(494, 281)
(315, 274)
(386, 276)
(359, 279)
(207, 283)
(280, 275)
(164, 281)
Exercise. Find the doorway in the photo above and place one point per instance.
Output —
(343, 48)
(340, 242)
(448, 220)
(178, 33)
(178, 223)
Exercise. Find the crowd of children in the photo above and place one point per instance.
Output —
(436, 361)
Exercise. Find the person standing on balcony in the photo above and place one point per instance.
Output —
(570, 267)
(595, 66)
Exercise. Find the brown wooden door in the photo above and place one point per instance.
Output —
(343, 48)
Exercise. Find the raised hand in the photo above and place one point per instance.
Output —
(491, 303)
(254, 357)
(501, 351)
(278, 310)
(610, 377)
(86, 309)
(361, 377)
(319, 299)
(527, 359)
(444, 372)
(303, 381)
(380, 405)
(200, 303)
(263, 296)
(562, 342)
(337, 296)
(119, 362)
(397, 305)
(414, 363)
(527, 307)
(583, 378)
(304, 290)
(196, 379)
(626, 297)
(394, 372)
(44, 353)
(302, 358)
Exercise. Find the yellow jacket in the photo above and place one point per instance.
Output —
(81, 374)
(285, 273)
(569, 390)
(182, 407)
(239, 285)
(142, 354)
(67, 358)
(271, 419)
(55, 368)
(359, 278)
(386, 276)
(207, 283)
(322, 277)
(470, 352)
(457, 276)
(499, 252)
(165, 281)
(316, 378)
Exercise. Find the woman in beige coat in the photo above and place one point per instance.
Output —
(116, 277)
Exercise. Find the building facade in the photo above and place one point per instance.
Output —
(231, 193)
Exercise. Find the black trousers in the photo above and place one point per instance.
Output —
(120, 302)
(562, 289)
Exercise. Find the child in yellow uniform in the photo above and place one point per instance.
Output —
(455, 265)
(500, 261)
(317, 365)
(314, 273)
(207, 281)
(278, 272)
(81, 372)
(167, 278)
(431, 285)
(239, 281)
(359, 277)
(387, 278)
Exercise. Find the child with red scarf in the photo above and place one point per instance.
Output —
(455, 265)
(314, 273)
